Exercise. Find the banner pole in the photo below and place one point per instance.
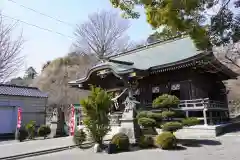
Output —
(19, 121)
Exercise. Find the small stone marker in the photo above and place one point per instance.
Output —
(96, 148)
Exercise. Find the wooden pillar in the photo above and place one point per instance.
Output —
(205, 116)
(221, 117)
(226, 115)
(210, 117)
(187, 114)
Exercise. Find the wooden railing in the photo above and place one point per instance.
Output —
(201, 103)
(197, 104)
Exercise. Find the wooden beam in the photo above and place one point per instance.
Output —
(121, 62)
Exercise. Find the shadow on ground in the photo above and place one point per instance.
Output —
(198, 142)
(232, 128)
(86, 146)
(182, 145)
(136, 148)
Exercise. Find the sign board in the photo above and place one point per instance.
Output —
(19, 117)
(72, 120)
(133, 74)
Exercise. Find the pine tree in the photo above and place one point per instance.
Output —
(190, 17)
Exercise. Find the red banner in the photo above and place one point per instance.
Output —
(19, 117)
(72, 121)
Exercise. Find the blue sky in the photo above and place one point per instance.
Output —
(41, 45)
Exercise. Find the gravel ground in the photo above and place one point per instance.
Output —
(226, 147)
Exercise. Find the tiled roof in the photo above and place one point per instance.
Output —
(160, 53)
(14, 90)
(153, 55)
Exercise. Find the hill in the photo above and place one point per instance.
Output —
(55, 76)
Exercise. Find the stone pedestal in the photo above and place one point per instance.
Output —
(53, 126)
(53, 123)
(129, 125)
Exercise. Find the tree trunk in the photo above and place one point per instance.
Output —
(60, 132)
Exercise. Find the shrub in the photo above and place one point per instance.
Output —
(166, 140)
(147, 122)
(190, 121)
(31, 128)
(156, 116)
(44, 131)
(168, 114)
(79, 137)
(148, 114)
(121, 141)
(142, 114)
(172, 126)
(146, 142)
(166, 101)
(22, 134)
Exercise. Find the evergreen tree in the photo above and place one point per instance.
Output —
(190, 17)
(165, 119)
(30, 73)
(96, 111)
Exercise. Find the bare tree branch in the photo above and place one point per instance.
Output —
(103, 34)
(10, 58)
(56, 75)
(229, 55)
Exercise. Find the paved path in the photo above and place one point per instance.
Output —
(3, 142)
(10, 149)
(222, 148)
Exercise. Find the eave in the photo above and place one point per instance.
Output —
(224, 69)
(196, 61)
(189, 62)
(77, 83)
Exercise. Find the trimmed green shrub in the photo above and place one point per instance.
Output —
(146, 142)
(147, 122)
(149, 114)
(190, 121)
(156, 116)
(172, 126)
(44, 131)
(142, 114)
(166, 101)
(168, 114)
(166, 140)
(121, 141)
(31, 129)
(22, 134)
(79, 137)
(149, 131)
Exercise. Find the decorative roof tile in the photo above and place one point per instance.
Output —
(14, 90)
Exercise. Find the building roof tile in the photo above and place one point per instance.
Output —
(160, 53)
(14, 90)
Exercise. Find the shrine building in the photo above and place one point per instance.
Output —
(173, 67)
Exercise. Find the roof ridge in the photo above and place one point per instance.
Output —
(18, 86)
(149, 45)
